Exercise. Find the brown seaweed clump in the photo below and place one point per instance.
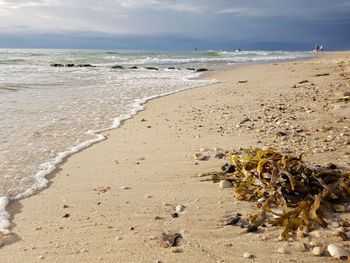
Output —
(289, 192)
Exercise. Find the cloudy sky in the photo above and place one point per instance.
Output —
(175, 24)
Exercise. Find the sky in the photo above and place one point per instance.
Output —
(175, 24)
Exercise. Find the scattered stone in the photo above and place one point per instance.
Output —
(134, 67)
(201, 156)
(171, 240)
(234, 221)
(335, 224)
(248, 255)
(176, 250)
(281, 133)
(228, 168)
(118, 238)
(117, 67)
(201, 70)
(303, 81)
(85, 65)
(281, 250)
(151, 68)
(125, 187)
(66, 216)
(102, 189)
(252, 229)
(242, 81)
(219, 155)
(56, 65)
(174, 215)
(69, 65)
(180, 208)
(225, 184)
(322, 75)
(318, 251)
(337, 251)
(65, 206)
(300, 246)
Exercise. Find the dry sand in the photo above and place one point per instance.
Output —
(147, 169)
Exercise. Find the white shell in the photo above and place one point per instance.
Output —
(200, 156)
(180, 208)
(337, 251)
(281, 250)
(225, 184)
(247, 255)
(318, 251)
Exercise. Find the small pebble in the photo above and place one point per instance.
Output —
(317, 251)
(247, 255)
(176, 250)
(337, 251)
(225, 184)
(335, 225)
(281, 250)
(180, 208)
(118, 238)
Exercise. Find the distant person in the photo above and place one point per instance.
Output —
(321, 48)
(317, 48)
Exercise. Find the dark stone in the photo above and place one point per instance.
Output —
(242, 81)
(56, 65)
(134, 67)
(303, 81)
(66, 216)
(234, 221)
(322, 75)
(252, 228)
(281, 133)
(174, 215)
(171, 67)
(85, 65)
(228, 168)
(152, 68)
(219, 155)
(65, 206)
(69, 65)
(171, 240)
(118, 67)
(201, 70)
(190, 69)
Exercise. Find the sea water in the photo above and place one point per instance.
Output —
(48, 113)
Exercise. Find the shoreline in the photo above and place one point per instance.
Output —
(183, 164)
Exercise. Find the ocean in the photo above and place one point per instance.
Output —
(48, 112)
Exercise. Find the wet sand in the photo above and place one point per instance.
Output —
(112, 201)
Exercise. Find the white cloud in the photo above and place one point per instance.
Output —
(158, 5)
(242, 11)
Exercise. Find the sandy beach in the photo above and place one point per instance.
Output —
(112, 201)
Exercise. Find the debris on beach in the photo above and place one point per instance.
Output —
(289, 192)
(337, 251)
(102, 189)
(170, 239)
(201, 156)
